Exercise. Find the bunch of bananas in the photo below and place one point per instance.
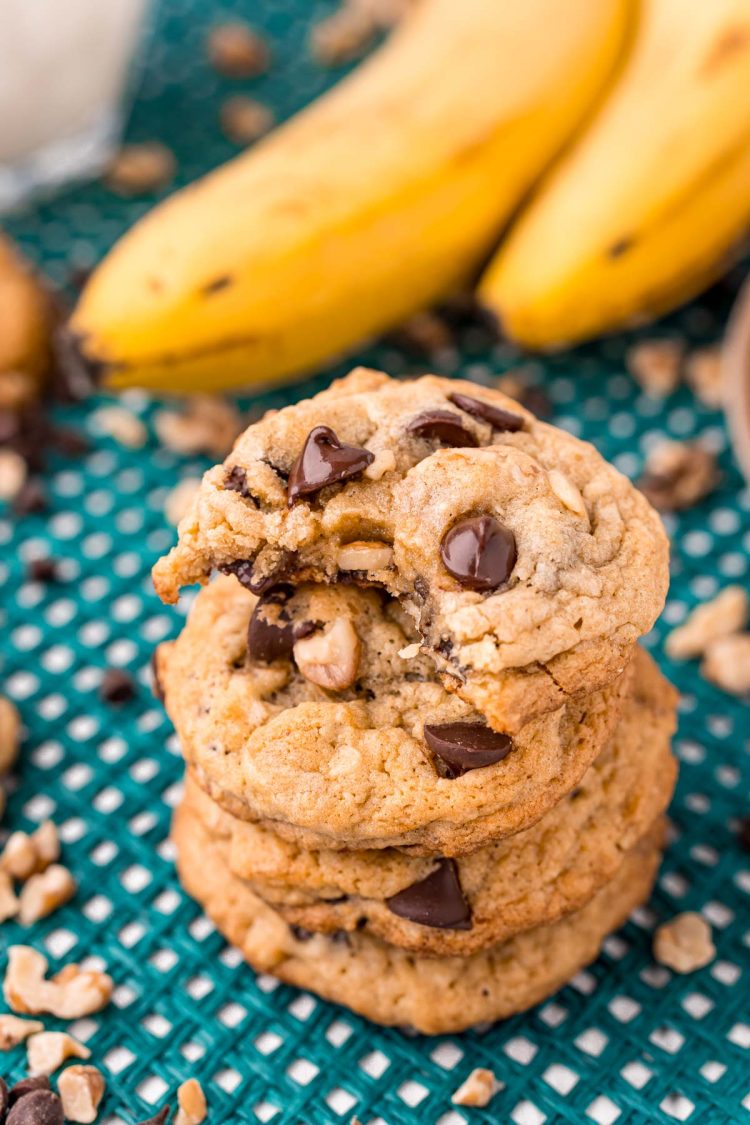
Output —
(600, 150)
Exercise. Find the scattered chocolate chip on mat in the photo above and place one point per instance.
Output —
(117, 686)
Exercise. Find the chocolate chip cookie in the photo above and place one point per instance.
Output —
(390, 985)
(309, 710)
(529, 565)
(440, 906)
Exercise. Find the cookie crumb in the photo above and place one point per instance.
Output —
(656, 365)
(385, 462)
(180, 499)
(207, 425)
(703, 372)
(678, 475)
(235, 50)
(48, 1050)
(191, 1103)
(121, 424)
(244, 120)
(725, 614)
(81, 1089)
(140, 168)
(45, 893)
(10, 734)
(684, 944)
(69, 995)
(14, 1030)
(727, 663)
(478, 1090)
(12, 474)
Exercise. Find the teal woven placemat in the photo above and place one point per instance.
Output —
(626, 1041)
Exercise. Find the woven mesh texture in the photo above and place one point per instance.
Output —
(627, 1040)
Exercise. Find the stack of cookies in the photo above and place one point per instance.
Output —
(427, 764)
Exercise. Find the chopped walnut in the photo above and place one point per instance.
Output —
(13, 473)
(727, 663)
(10, 734)
(362, 555)
(81, 1089)
(478, 1089)
(207, 425)
(656, 365)
(725, 614)
(191, 1103)
(180, 499)
(14, 1030)
(236, 51)
(123, 425)
(141, 168)
(244, 120)
(330, 658)
(703, 371)
(26, 855)
(8, 900)
(684, 944)
(46, 842)
(567, 493)
(48, 1050)
(69, 995)
(45, 893)
(678, 475)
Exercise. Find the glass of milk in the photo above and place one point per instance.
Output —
(64, 66)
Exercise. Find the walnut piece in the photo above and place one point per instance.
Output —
(330, 659)
(727, 663)
(81, 1089)
(236, 51)
(244, 120)
(48, 1050)
(13, 473)
(45, 893)
(703, 371)
(678, 475)
(180, 499)
(567, 493)
(26, 855)
(141, 168)
(10, 734)
(207, 425)
(361, 555)
(684, 944)
(123, 425)
(8, 900)
(656, 365)
(478, 1089)
(191, 1103)
(69, 995)
(14, 1030)
(725, 614)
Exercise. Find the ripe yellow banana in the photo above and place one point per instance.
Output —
(646, 207)
(371, 203)
(25, 316)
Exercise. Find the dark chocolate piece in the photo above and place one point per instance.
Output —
(443, 426)
(466, 746)
(479, 552)
(436, 901)
(324, 460)
(498, 418)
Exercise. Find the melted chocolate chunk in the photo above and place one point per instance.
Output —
(260, 583)
(40, 1107)
(324, 460)
(443, 426)
(461, 747)
(236, 481)
(436, 901)
(499, 419)
(479, 552)
(270, 634)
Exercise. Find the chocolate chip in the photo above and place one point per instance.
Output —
(31, 500)
(27, 1086)
(40, 1107)
(443, 426)
(436, 901)
(117, 686)
(466, 746)
(271, 634)
(236, 481)
(479, 552)
(42, 570)
(244, 572)
(499, 419)
(744, 833)
(299, 933)
(159, 1118)
(324, 460)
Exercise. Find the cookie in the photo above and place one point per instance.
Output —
(529, 565)
(523, 881)
(390, 985)
(387, 761)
